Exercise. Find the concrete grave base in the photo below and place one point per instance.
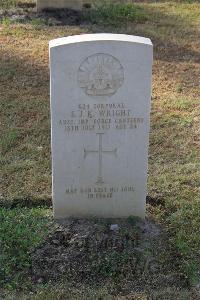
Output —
(58, 4)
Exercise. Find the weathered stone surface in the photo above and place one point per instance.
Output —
(73, 4)
(100, 105)
(59, 4)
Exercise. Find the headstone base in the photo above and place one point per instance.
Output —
(59, 4)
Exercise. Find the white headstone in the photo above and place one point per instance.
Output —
(100, 106)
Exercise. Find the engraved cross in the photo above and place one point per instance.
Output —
(100, 153)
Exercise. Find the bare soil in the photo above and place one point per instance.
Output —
(137, 257)
(56, 17)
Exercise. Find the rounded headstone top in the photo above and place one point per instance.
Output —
(99, 37)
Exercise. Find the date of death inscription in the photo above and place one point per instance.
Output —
(98, 192)
(102, 116)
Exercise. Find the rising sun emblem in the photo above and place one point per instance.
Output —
(100, 75)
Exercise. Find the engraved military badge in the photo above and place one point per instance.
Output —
(101, 75)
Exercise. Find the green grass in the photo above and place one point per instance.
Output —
(7, 3)
(175, 165)
(22, 229)
(107, 12)
(187, 238)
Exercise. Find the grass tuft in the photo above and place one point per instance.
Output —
(187, 238)
(21, 230)
(106, 12)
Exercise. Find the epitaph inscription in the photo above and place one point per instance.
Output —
(100, 107)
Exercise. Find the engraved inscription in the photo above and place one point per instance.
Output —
(100, 117)
(101, 75)
(100, 153)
